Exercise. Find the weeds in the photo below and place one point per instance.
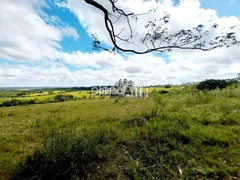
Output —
(116, 100)
(177, 136)
(64, 155)
(174, 146)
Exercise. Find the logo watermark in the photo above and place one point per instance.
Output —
(124, 91)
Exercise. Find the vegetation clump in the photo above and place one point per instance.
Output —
(212, 84)
(64, 155)
(17, 102)
(63, 97)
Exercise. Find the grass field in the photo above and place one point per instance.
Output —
(43, 96)
(172, 136)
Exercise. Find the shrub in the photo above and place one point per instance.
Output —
(163, 92)
(50, 92)
(17, 102)
(13, 102)
(212, 84)
(21, 94)
(48, 100)
(63, 97)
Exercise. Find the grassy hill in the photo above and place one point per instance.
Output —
(170, 136)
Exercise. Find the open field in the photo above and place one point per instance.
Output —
(175, 135)
(46, 95)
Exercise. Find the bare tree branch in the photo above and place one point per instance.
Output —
(158, 38)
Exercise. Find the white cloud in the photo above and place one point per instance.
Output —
(145, 70)
(70, 32)
(25, 36)
(184, 65)
(186, 15)
(29, 35)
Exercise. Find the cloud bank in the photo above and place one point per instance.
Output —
(31, 53)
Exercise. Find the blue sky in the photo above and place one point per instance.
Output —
(68, 44)
(50, 41)
(222, 7)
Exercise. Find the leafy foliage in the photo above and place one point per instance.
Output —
(212, 84)
(17, 102)
(21, 102)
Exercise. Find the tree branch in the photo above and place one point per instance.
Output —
(158, 36)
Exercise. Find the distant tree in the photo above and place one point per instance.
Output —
(122, 87)
(119, 83)
(50, 92)
(13, 102)
(131, 83)
(163, 92)
(20, 94)
(18, 102)
(125, 82)
(63, 97)
(212, 84)
(167, 86)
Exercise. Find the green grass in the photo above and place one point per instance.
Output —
(80, 94)
(22, 127)
(45, 97)
(47, 94)
(171, 136)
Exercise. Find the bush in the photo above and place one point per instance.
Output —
(50, 92)
(21, 94)
(163, 92)
(20, 102)
(13, 102)
(17, 102)
(212, 84)
(63, 97)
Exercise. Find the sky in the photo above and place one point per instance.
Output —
(48, 43)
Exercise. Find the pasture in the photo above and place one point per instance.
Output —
(175, 135)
